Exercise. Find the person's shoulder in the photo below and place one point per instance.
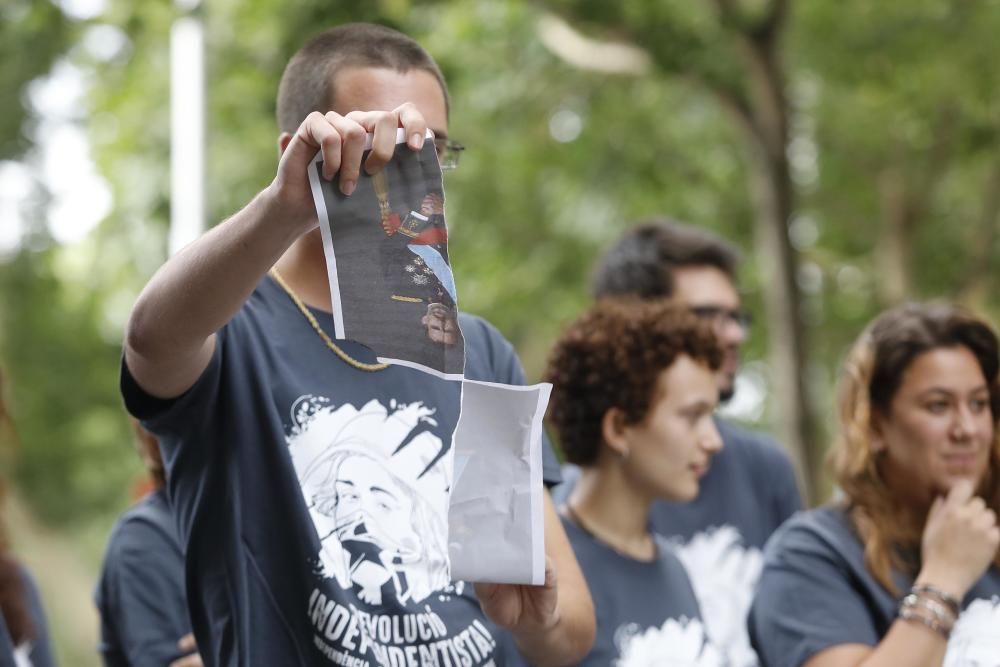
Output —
(489, 355)
(478, 329)
(823, 529)
(31, 587)
(752, 445)
(146, 526)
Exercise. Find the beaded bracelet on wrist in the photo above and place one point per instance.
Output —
(938, 594)
(925, 608)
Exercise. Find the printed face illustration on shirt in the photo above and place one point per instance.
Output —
(376, 488)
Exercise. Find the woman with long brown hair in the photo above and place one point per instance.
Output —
(904, 569)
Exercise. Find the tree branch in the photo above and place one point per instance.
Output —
(578, 50)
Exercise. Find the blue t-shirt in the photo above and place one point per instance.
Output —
(37, 651)
(311, 496)
(815, 593)
(647, 612)
(140, 595)
(749, 490)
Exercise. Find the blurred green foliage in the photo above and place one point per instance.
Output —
(895, 122)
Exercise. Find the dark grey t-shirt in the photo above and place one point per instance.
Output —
(6, 647)
(140, 595)
(646, 611)
(815, 592)
(38, 650)
(749, 490)
(311, 496)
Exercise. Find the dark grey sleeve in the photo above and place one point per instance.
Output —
(41, 648)
(142, 596)
(805, 603)
(6, 645)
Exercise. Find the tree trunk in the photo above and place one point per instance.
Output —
(772, 193)
(893, 251)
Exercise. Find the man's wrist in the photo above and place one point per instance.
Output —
(277, 210)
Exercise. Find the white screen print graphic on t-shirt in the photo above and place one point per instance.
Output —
(723, 574)
(975, 640)
(677, 643)
(376, 483)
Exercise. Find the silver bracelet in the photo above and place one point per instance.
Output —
(928, 612)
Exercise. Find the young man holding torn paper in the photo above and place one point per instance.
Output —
(309, 480)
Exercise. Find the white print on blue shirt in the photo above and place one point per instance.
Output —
(723, 574)
(376, 482)
(677, 643)
(975, 640)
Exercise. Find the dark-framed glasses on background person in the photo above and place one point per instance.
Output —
(718, 315)
(448, 153)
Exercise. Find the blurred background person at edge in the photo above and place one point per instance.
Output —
(904, 569)
(24, 635)
(140, 595)
(751, 488)
(633, 395)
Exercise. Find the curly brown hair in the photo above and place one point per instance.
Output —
(890, 529)
(612, 357)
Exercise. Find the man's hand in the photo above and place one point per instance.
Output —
(341, 140)
(527, 611)
(186, 643)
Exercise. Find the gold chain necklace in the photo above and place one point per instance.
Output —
(360, 365)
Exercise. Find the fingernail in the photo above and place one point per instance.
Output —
(416, 141)
(347, 187)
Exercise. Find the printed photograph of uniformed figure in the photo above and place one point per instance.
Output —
(387, 258)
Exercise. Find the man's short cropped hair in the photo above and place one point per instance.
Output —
(642, 262)
(612, 357)
(307, 84)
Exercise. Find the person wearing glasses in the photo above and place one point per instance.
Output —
(751, 487)
(231, 361)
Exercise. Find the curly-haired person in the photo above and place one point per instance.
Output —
(634, 390)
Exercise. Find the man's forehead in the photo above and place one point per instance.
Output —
(704, 285)
(359, 88)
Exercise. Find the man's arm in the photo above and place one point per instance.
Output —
(170, 337)
(552, 624)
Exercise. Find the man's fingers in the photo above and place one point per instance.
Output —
(314, 133)
(352, 146)
(186, 643)
(382, 126)
(413, 124)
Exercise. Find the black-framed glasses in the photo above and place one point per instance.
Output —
(448, 153)
(717, 315)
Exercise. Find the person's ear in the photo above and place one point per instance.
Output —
(615, 431)
(283, 140)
